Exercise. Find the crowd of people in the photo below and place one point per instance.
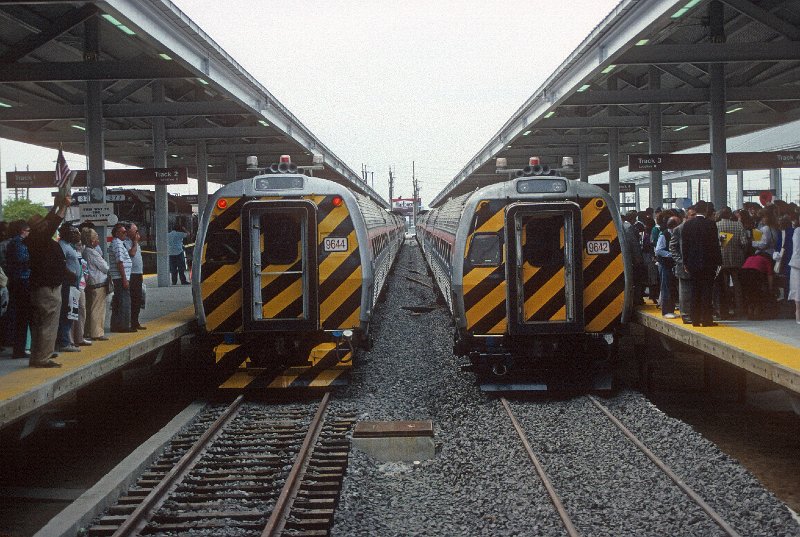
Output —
(58, 288)
(717, 264)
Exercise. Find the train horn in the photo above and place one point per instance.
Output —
(537, 169)
(519, 173)
(283, 167)
(292, 168)
(527, 170)
(273, 168)
(545, 169)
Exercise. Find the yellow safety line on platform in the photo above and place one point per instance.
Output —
(776, 351)
(27, 378)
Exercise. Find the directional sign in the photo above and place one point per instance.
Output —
(99, 213)
(623, 187)
(763, 160)
(758, 192)
(146, 176)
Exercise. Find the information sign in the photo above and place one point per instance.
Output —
(761, 160)
(99, 213)
(146, 176)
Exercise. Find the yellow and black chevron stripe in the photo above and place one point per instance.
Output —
(544, 287)
(221, 285)
(329, 366)
(604, 274)
(281, 293)
(485, 287)
(340, 276)
(340, 279)
(603, 277)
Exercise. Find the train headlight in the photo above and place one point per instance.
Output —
(222, 203)
(347, 334)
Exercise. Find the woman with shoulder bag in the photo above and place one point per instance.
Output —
(96, 286)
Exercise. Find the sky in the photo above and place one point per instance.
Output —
(389, 83)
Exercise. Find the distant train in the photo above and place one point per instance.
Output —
(288, 269)
(537, 277)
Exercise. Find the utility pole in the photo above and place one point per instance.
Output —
(391, 186)
(415, 193)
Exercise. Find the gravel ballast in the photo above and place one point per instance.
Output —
(481, 482)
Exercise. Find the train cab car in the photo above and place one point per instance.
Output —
(288, 268)
(537, 277)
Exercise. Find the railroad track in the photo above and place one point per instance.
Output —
(247, 470)
(558, 503)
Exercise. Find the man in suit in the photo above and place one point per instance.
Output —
(701, 256)
(684, 283)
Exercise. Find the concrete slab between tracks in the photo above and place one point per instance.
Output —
(105, 493)
(769, 349)
(25, 390)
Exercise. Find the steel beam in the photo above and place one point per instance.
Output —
(83, 71)
(675, 120)
(776, 51)
(54, 112)
(680, 95)
(62, 24)
(766, 18)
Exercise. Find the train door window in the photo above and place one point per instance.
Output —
(282, 238)
(485, 249)
(223, 247)
(543, 241)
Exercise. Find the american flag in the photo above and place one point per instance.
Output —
(62, 169)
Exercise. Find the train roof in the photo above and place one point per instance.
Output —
(538, 186)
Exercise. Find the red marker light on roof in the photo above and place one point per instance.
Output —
(222, 203)
(286, 158)
(337, 201)
(533, 161)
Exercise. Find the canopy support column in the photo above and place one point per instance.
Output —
(162, 202)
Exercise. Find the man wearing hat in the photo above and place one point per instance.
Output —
(48, 270)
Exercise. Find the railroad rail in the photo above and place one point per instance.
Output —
(228, 473)
(566, 520)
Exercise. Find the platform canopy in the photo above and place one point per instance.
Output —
(648, 66)
(51, 50)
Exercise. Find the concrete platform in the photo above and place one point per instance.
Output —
(769, 349)
(24, 390)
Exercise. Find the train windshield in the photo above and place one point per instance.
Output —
(484, 249)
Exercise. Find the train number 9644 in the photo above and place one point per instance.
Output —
(335, 244)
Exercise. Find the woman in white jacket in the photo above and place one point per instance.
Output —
(794, 275)
(96, 286)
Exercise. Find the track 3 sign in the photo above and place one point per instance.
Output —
(145, 176)
(762, 160)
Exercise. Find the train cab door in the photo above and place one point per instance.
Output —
(280, 280)
(544, 268)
